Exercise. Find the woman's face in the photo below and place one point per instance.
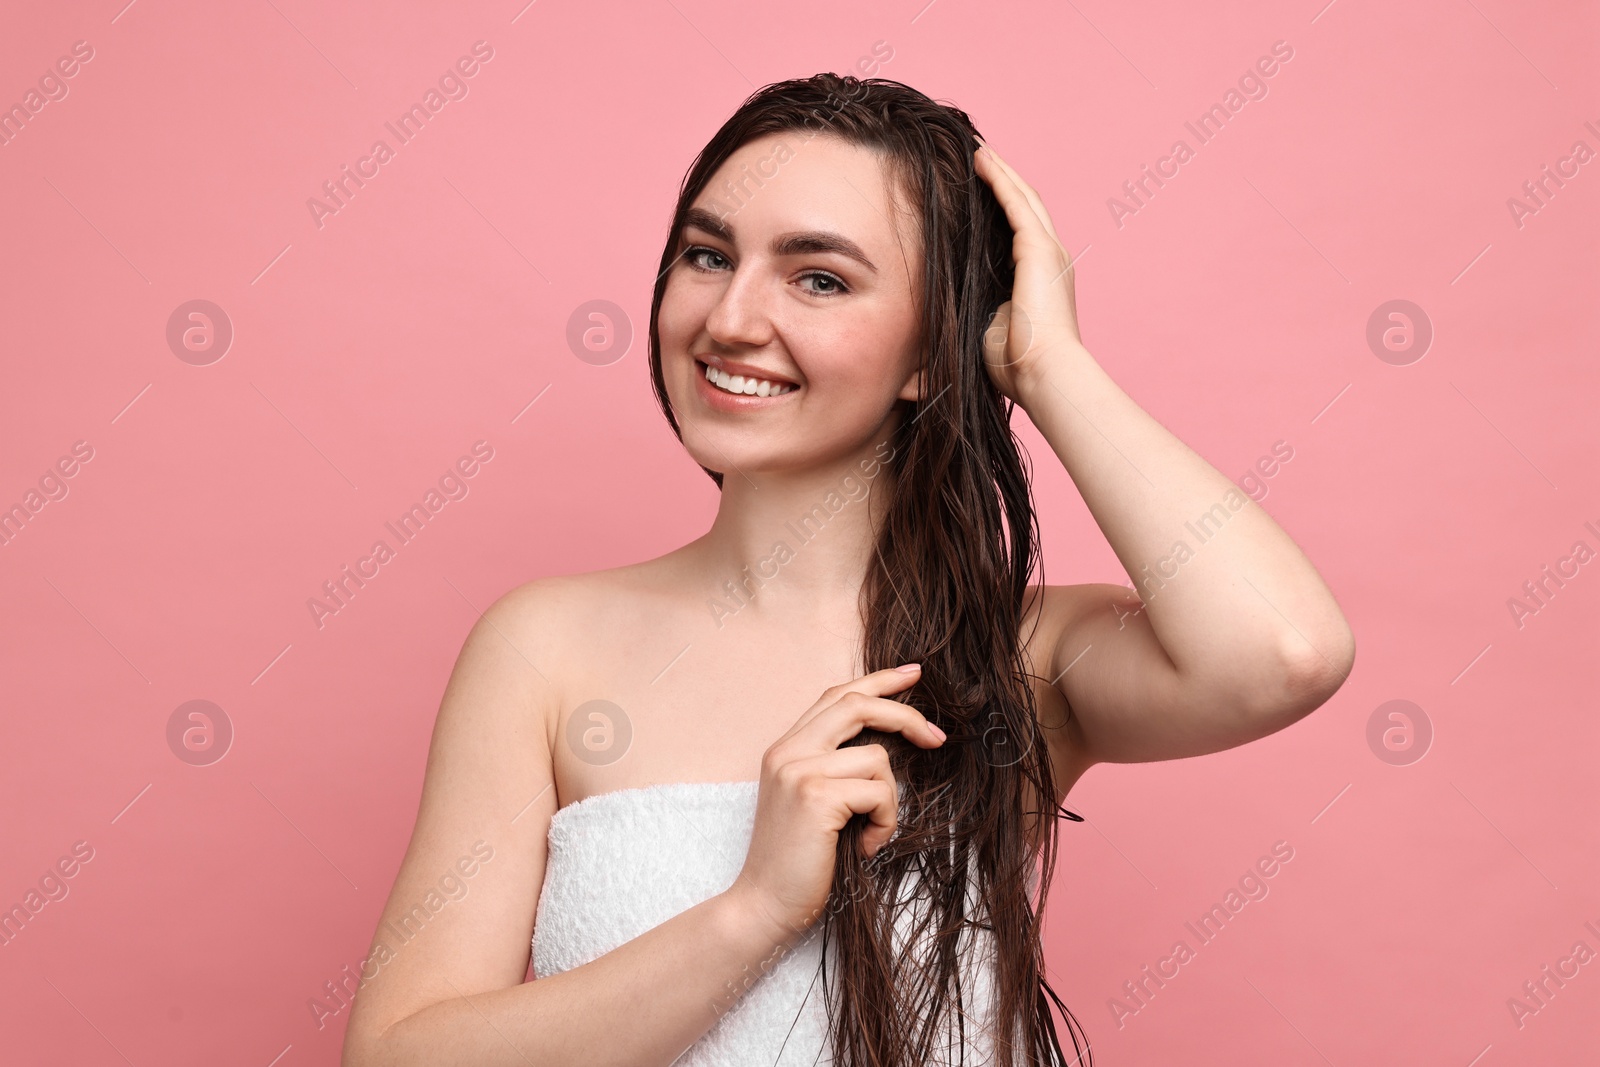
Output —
(796, 268)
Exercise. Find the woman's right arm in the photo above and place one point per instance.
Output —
(454, 991)
(644, 1002)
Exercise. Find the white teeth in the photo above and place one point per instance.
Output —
(738, 383)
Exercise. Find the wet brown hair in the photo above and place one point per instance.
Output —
(946, 588)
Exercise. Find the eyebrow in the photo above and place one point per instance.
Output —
(788, 244)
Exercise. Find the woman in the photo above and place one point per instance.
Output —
(853, 297)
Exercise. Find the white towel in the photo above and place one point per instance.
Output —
(623, 862)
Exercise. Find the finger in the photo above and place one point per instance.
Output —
(1029, 230)
(1035, 201)
(1008, 184)
(846, 717)
(1025, 222)
(877, 683)
(861, 761)
(871, 797)
(841, 721)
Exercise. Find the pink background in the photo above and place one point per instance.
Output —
(370, 353)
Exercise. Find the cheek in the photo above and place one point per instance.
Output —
(853, 384)
(675, 318)
(678, 323)
(865, 362)
(857, 379)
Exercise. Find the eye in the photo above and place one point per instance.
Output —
(693, 252)
(832, 279)
(693, 255)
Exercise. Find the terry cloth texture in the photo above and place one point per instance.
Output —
(623, 862)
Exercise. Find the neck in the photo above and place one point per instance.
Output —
(796, 543)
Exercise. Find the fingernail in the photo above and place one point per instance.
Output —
(909, 667)
(941, 733)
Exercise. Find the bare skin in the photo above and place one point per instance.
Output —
(1246, 641)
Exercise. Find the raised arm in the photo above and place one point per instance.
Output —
(1237, 634)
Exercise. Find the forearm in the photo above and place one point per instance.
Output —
(643, 1003)
(1223, 584)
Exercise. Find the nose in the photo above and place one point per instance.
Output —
(740, 316)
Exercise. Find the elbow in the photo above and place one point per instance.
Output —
(1302, 678)
(357, 1054)
(363, 1047)
(1310, 674)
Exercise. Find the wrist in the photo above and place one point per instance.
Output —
(748, 938)
(748, 919)
(1049, 373)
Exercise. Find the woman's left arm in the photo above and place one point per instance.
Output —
(1237, 635)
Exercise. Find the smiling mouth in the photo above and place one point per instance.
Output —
(739, 385)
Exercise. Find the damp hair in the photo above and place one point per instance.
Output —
(946, 587)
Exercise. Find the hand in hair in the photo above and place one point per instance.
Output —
(811, 787)
(1041, 318)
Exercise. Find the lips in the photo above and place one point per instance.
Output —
(744, 370)
(720, 399)
(736, 385)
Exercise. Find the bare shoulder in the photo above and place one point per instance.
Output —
(568, 627)
(549, 602)
(564, 604)
(488, 796)
(486, 804)
(569, 595)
